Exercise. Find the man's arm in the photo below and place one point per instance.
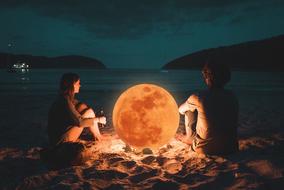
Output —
(190, 105)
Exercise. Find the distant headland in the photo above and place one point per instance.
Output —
(263, 55)
(70, 61)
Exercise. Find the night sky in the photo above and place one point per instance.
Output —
(134, 33)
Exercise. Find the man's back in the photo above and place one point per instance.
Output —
(217, 122)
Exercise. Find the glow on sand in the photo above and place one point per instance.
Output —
(145, 116)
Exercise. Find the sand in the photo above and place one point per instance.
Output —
(258, 165)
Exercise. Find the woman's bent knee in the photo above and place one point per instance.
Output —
(81, 107)
(89, 113)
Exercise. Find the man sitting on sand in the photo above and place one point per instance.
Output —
(211, 116)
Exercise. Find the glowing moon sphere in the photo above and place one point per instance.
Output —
(145, 116)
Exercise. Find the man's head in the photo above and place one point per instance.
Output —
(216, 75)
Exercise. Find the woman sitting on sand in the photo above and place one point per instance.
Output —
(211, 116)
(67, 117)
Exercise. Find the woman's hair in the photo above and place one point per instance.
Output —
(217, 74)
(67, 84)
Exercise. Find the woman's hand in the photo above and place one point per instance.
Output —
(101, 120)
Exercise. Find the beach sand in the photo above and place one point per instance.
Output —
(258, 165)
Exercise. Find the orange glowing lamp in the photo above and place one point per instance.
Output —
(145, 116)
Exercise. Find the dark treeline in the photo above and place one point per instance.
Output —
(266, 55)
(72, 61)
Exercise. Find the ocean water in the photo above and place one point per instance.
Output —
(100, 87)
(96, 80)
(46, 81)
(26, 98)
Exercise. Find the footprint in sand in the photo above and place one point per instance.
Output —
(161, 160)
(148, 160)
(143, 176)
(128, 164)
(172, 166)
(114, 161)
(105, 174)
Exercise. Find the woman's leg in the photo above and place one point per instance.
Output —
(88, 112)
(95, 131)
(72, 135)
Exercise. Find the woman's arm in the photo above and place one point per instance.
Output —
(84, 119)
(81, 107)
(75, 116)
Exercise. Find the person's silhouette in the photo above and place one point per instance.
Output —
(211, 116)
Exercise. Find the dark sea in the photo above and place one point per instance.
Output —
(26, 97)
(102, 87)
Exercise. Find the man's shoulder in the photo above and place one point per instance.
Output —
(214, 94)
(230, 93)
(200, 93)
(193, 98)
(218, 91)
